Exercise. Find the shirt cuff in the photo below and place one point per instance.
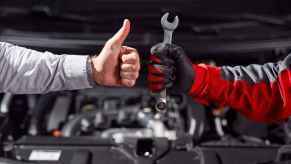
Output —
(90, 72)
(77, 73)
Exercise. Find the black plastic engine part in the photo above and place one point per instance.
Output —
(102, 151)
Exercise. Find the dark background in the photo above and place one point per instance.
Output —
(83, 26)
(222, 32)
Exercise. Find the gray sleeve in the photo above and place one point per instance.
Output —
(25, 71)
(255, 73)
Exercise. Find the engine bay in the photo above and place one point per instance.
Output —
(119, 125)
(109, 125)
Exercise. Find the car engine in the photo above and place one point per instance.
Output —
(107, 125)
(119, 125)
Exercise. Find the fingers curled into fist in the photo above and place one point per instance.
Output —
(129, 67)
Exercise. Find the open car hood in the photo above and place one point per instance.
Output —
(226, 26)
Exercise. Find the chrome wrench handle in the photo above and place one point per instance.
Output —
(168, 36)
(169, 28)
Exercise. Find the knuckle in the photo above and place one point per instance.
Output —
(122, 68)
(124, 58)
(132, 68)
(132, 82)
(129, 83)
(133, 57)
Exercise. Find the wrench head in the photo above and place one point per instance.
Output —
(169, 25)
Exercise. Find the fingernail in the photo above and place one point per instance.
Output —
(129, 84)
(123, 58)
(125, 21)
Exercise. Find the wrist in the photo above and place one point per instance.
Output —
(199, 80)
(95, 73)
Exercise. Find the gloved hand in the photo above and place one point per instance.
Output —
(116, 65)
(169, 68)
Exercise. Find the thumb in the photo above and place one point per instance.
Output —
(122, 34)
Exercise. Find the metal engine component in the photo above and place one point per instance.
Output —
(127, 121)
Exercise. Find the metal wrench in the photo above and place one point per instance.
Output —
(169, 28)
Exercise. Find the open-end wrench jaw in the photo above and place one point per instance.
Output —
(169, 25)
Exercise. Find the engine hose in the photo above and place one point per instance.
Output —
(40, 111)
(74, 125)
(4, 106)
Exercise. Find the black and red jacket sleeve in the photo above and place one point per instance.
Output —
(260, 92)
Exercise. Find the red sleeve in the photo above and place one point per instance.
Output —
(260, 92)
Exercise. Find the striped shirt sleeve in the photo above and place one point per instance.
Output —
(25, 71)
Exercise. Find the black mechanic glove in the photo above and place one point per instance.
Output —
(169, 68)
